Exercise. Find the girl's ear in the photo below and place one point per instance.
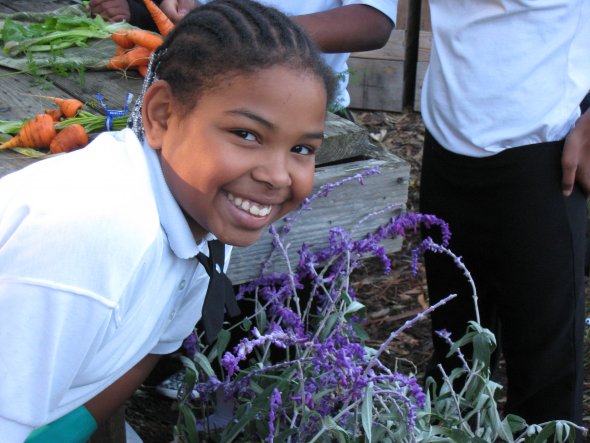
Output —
(155, 112)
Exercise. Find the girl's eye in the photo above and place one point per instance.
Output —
(303, 150)
(246, 135)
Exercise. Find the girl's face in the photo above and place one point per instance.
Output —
(244, 156)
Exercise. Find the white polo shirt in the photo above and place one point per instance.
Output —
(96, 271)
(337, 61)
(505, 73)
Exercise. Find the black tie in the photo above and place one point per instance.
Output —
(220, 292)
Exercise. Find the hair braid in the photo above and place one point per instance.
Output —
(228, 37)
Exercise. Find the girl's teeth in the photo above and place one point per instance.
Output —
(265, 211)
(249, 207)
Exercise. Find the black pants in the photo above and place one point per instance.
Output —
(524, 243)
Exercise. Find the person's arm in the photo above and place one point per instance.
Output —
(575, 160)
(78, 425)
(111, 10)
(349, 28)
(176, 9)
(108, 401)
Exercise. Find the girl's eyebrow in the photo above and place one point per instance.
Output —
(253, 116)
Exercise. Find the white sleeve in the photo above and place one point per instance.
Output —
(387, 7)
(46, 335)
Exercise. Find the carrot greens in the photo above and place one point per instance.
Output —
(54, 33)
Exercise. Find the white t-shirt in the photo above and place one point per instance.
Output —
(505, 73)
(337, 61)
(96, 271)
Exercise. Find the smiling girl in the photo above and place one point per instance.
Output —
(98, 268)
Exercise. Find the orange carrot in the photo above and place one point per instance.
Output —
(144, 38)
(163, 23)
(55, 114)
(142, 70)
(36, 133)
(120, 50)
(135, 57)
(122, 40)
(69, 106)
(68, 139)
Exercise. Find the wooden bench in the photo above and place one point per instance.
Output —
(346, 151)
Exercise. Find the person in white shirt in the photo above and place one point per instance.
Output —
(338, 27)
(507, 164)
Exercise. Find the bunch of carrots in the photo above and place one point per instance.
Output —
(49, 130)
(135, 46)
(42, 130)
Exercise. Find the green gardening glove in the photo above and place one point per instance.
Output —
(75, 427)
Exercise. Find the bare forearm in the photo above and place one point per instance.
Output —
(108, 401)
(349, 28)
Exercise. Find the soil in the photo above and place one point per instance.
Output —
(390, 299)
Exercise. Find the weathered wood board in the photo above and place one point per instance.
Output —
(383, 79)
(27, 5)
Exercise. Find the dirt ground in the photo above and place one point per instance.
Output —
(391, 299)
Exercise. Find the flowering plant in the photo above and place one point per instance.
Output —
(303, 372)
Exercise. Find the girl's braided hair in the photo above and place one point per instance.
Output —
(229, 37)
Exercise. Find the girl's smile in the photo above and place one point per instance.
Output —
(253, 208)
(243, 157)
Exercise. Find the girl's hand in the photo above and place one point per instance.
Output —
(111, 10)
(575, 160)
(177, 9)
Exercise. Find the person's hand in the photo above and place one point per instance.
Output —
(111, 10)
(575, 160)
(176, 9)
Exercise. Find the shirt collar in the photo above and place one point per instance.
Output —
(172, 219)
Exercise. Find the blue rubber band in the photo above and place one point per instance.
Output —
(112, 113)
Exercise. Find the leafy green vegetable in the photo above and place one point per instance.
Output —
(54, 33)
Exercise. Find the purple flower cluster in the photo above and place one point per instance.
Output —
(304, 360)
(275, 401)
(275, 336)
(324, 369)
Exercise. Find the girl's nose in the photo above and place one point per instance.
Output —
(273, 169)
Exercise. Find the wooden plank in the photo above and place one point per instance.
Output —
(377, 84)
(372, 89)
(17, 100)
(424, 46)
(345, 207)
(38, 6)
(407, 11)
(402, 14)
(425, 24)
(5, 9)
(113, 85)
(420, 71)
(394, 49)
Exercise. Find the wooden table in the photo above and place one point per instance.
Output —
(346, 151)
